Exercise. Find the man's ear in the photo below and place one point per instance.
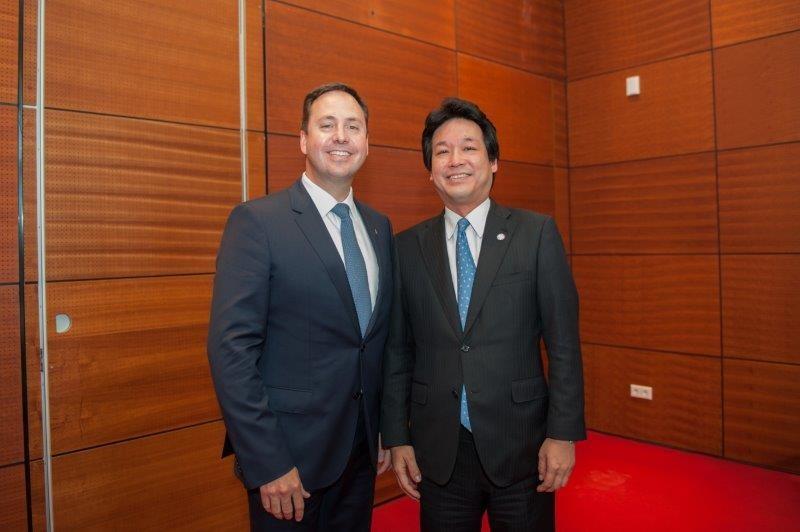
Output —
(494, 166)
(303, 142)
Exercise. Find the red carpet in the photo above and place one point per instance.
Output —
(621, 485)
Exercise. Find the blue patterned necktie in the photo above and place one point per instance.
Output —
(465, 266)
(355, 266)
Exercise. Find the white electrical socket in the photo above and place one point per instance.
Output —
(642, 392)
(632, 87)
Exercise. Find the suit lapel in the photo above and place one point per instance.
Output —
(491, 256)
(312, 226)
(434, 252)
(382, 256)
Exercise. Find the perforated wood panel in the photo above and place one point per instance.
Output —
(524, 116)
(741, 20)
(9, 35)
(9, 254)
(13, 514)
(170, 481)
(662, 302)
(393, 181)
(762, 413)
(132, 197)
(603, 36)
(432, 22)
(132, 363)
(401, 79)
(673, 114)
(519, 33)
(176, 61)
(756, 86)
(659, 206)
(761, 307)
(11, 439)
(759, 199)
(686, 405)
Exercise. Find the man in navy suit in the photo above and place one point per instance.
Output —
(472, 423)
(299, 320)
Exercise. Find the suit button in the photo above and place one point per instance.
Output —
(363, 348)
(465, 348)
(357, 395)
(455, 394)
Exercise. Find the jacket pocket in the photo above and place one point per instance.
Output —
(523, 390)
(287, 400)
(419, 393)
(517, 277)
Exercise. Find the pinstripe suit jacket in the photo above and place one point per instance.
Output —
(523, 292)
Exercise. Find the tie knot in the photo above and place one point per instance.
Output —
(463, 223)
(342, 210)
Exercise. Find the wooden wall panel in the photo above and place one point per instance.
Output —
(762, 413)
(132, 363)
(562, 211)
(13, 514)
(257, 164)
(386, 488)
(741, 20)
(527, 35)
(655, 206)
(11, 435)
(673, 114)
(9, 253)
(604, 36)
(9, 35)
(431, 22)
(560, 138)
(524, 116)
(686, 408)
(393, 181)
(761, 307)
(132, 197)
(662, 302)
(123, 57)
(756, 85)
(171, 481)
(759, 200)
(525, 186)
(400, 79)
(255, 65)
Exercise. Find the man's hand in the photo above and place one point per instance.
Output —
(384, 458)
(283, 497)
(556, 460)
(405, 467)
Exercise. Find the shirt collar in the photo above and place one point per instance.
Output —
(323, 200)
(476, 218)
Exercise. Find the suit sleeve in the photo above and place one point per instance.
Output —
(558, 305)
(236, 336)
(398, 364)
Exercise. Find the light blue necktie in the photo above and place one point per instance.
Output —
(355, 267)
(465, 277)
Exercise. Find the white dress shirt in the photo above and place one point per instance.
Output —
(474, 233)
(324, 203)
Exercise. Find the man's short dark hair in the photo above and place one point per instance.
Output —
(458, 108)
(312, 96)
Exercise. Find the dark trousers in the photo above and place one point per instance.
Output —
(458, 506)
(344, 506)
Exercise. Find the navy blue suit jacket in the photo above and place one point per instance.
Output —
(289, 365)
